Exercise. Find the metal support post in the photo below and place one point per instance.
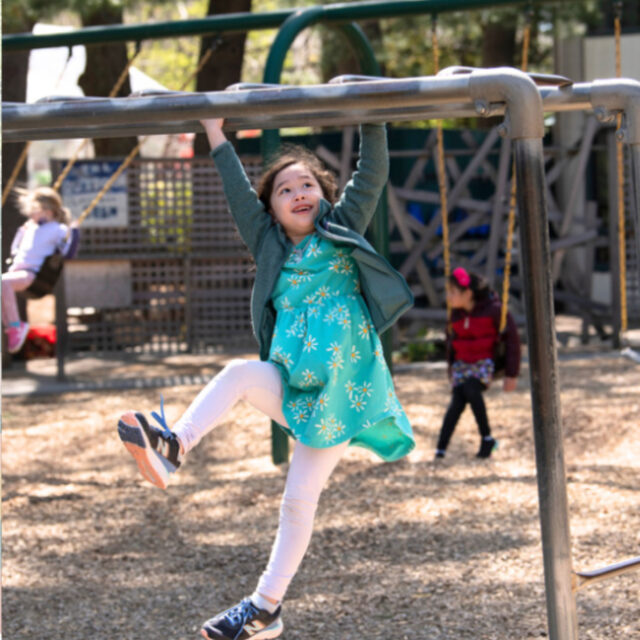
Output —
(545, 397)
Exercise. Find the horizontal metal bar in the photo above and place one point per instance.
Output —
(585, 578)
(253, 108)
(274, 107)
(234, 22)
(319, 119)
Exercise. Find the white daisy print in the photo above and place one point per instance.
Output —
(358, 403)
(302, 275)
(314, 249)
(339, 429)
(364, 329)
(322, 402)
(330, 316)
(354, 355)
(310, 344)
(309, 378)
(300, 415)
(323, 429)
(366, 389)
(350, 388)
(336, 364)
(323, 294)
(335, 348)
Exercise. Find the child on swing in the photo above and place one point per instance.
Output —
(45, 231)
(472, 339)
(321, 297)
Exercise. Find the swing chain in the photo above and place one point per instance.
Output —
(441, 169)
(622, 263)
(506, 281)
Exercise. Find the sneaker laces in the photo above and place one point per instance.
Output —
(239, 615)
(161, 420)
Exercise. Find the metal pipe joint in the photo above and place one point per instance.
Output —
(610, 97)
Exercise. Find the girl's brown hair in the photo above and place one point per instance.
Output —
(47, 198)
(294, 154)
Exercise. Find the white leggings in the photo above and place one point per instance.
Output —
(259, 383)
(13, 281)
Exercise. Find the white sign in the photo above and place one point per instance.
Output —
(82, 185)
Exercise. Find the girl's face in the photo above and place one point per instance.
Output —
(459, 298)
(37, 212)
(295, 200)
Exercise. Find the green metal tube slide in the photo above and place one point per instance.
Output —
(242, 22)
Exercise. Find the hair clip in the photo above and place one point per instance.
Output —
(462, 277)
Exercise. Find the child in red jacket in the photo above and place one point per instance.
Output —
(472, 338)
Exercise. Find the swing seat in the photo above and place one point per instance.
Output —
(46, 278)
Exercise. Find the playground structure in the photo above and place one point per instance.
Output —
(457, 93)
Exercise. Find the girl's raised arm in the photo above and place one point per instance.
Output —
(246, 208)
(362, 193)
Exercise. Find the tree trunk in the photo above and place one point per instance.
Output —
(14, 89)
(498, 50)
(225, 65)
(15, 65)
(105, 63)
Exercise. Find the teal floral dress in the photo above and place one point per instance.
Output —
(336, 383)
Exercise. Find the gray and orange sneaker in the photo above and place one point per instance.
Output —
(242, 622)
(156, 451)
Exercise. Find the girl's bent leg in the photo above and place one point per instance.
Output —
(259, 383)
(13, 281)
(308, 473)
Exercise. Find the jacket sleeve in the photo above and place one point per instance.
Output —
(247, 210)
(70, 248)
(512, 340)
(361, 195)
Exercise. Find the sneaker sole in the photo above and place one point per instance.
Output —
(20, 344)
(137, 444)
(272, 631)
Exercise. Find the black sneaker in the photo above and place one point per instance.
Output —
(440, 453)
(157, 452)
(487, 446)
(243, 621)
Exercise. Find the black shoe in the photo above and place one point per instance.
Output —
(243, 621)
(440, 453)
(157, 452)
(486, 447)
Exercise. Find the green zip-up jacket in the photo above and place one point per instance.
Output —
(384, 289)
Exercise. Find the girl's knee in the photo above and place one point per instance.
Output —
(299, 507)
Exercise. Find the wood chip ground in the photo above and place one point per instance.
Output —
(409, 550)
